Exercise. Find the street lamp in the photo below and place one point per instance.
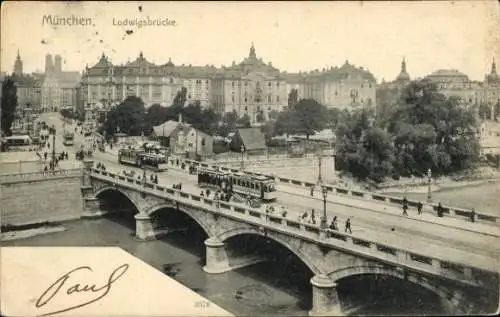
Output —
(429, 180)
(242, 157)
(320, 179)
(324, 191)
(53, 131)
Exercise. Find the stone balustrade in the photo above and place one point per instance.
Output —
(33, 176)
(448, 211)
(326, 237)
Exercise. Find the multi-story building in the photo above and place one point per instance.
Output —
(342, 87)
(28, 88)
(29, 92)
(491, 90)
(451, 82)
(105, 84)
(251, 88)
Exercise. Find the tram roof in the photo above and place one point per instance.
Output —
(212, 170)
(252, 176)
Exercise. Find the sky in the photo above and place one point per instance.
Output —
(294, 36)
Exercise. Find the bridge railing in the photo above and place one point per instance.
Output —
(39, 175)
(448, 211)
(352, 243)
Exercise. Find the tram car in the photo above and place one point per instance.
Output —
(251, 186)
(142, 159)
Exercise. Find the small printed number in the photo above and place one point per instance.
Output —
(202, 304)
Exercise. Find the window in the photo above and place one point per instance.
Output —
(189, 96)
(246, 108)
(206, 82)
(336, 93)
(232, 98)
(269, 84)
(277, 98)
(278, 84)
(232, 83)
(268, 108)
(246, 84)
(361, 85)
(246, 99)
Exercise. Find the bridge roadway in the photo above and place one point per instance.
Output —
(454, 240)
(452, 244)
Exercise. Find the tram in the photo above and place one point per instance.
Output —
(68, 138)
(260, 187)
(139, 158)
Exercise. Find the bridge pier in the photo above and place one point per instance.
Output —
(325, 300)
(92, 208)
(144, 229)
(217, 259)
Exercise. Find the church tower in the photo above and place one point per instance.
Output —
(252, 52)
(18, 65)
(403, 76)
(49, 66)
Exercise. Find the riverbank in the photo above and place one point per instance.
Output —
(29, 233)
(446, 185)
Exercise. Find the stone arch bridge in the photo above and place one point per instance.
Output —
(331, 256)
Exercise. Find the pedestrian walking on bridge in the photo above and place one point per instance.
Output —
(405, 206)
(419, 207)
(472, 215)
(348, 225)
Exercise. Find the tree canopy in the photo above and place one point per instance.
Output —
(423, 130)
(129, 117)
(306, 117)
(9, 105)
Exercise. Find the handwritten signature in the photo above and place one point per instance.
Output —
(54, 289)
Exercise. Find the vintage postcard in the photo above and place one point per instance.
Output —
(249, 158)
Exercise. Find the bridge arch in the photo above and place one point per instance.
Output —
(448, 296)
(156, 208)
(275, 237)
(106, 188)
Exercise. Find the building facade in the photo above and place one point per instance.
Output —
(252, 88)
(344, 87)
(59, 88)
(28, 88)
(105, 84)
(451, 82)
(491, 90)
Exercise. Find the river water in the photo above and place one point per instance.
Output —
(282, 283)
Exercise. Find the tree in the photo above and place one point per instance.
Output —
(180, 98)
(307, 117)
(273, 114)
(364, 151)
(433, 131)
(129, 116)
(260, 116)
(293, 98)
(484, 111)
(333, 116)
(9, 105)
(244, 121)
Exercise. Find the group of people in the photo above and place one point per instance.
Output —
(271, 209)
(100, 166)
(311, 219)
(440, 210)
